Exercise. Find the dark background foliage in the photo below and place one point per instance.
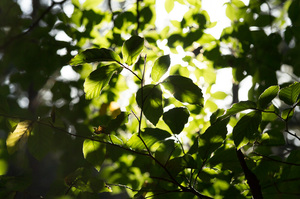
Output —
(59, 154)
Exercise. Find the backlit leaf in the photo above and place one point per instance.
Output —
(150, 136)
(238, 107)
(212, 138)
(95, 55)
(16, 138)
(176, 118)
(151, 103)
(160, 67)
(131, 49)
(267, 96)
(246, 129)
(290, 94)
(169, 5)
(98, 79)
(183, 89)
(94, 152)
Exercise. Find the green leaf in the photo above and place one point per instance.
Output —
(40, 141)
(290, 94)
(238, 107)
(151, 103)
(246, 129)
(164, 151)
(212, 138)
(150, 137)
(267, 96)
(95, 55)
(183, 89)
(160, 67)
(176, 118)
(17, 138)
(85, 180)
(98, 79)
(131, 49)
(219, 95)
(94, 152)
(178, 164)
(169, 5)
(114, 124)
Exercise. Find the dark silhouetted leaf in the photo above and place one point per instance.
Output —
(183, 89)
(95, 55)
(152, 102)
(176, 118)
(132, 49)
(246, 129)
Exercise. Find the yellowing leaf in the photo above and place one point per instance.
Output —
(15, 139)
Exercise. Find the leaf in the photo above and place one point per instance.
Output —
(246, 128)
(150, 137)
(98, 79)
(160, 67)
(40, 141)
(94, 152)
(164, 151)
(131, 49)
(238, 107)
(178, 164)
(219, 95)
(85, 180)
(95, 55)
(290, 94)
(151, 103)
(16, 138)
(183, 89)
(176, 118)
(267, 96)
(114, 124)
(212, 138)
(169, 5)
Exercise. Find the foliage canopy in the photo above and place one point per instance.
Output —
(139, 115)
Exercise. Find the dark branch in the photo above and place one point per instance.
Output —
(32, 26)
(251, 178)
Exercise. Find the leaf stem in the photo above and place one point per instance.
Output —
(122, 65)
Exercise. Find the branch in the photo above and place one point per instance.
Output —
(137, 16)
(32, 26)
(272, 159)
(251, 178)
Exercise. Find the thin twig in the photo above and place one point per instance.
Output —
(33, 25)
(275, 160)
(122, 65)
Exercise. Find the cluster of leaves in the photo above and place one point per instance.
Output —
(170, 140)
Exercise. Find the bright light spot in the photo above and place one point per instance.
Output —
(216, 11)
(62, 51)
(26, 6)
(68, 9)
(178, 11)
(245, 85)
(67, 73)
(23, 102)
(62, 36)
